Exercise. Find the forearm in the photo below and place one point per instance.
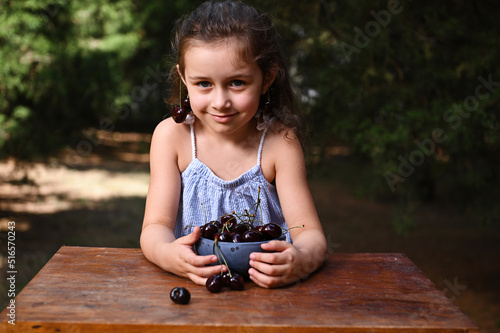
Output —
(312, 246)
(153, 238)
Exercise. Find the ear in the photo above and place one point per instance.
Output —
(269, 78)
(180, 74)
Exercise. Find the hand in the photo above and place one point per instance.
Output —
(283, 267)
(179, 258)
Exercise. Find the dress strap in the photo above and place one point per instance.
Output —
(259, 155)
(193, 141)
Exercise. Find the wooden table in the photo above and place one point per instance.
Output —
(85, 289)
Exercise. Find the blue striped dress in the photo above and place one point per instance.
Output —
(206, 197)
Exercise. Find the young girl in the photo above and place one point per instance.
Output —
(242, 136)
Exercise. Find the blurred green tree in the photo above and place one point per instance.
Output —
(66, 66)
(61, 68)
(412, 88)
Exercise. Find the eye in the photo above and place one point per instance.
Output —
(238, 83)
(204, 84)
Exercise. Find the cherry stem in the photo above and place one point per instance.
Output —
(204, 212)
(217, 255)
(299, 226)
(257, 206)
(217, 247)
(180, 91)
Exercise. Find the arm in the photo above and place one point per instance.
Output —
(291, 262)
(158, 242)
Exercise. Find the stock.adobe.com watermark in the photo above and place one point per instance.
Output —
(452, 291)
(454, 118)
(11, 272)
(363, 37)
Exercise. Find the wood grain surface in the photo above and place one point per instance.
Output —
(85, 289)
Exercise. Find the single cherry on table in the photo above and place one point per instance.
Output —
(180, 295)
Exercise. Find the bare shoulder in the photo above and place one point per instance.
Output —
(165, 132)
(282, 151)
(169, 127)
(171, 141)
(285, 141)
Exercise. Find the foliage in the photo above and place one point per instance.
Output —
(61, 67)
(410, 87)
(70, 65)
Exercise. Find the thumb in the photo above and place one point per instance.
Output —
(191, 238)
(276, 246)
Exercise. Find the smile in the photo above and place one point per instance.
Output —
(222, 118)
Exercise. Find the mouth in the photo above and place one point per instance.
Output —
(222, 118)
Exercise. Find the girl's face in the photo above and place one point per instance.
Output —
(224, 89)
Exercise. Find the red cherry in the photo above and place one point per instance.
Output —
(223, 237)
(241, 228)
(226, 277)
(268, 107)
(179, 114)
(227, 218)
(271, 231)
(236, 282)
(215, 283)
(252, 236)
(236, 237)
(259, 228)
(209, 231)
(229, 222)
(216, 223)
(186, 105)
(180, 295)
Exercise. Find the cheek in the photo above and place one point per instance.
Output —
(249, 103)
(198, 102)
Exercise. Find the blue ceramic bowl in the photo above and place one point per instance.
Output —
(237, 255)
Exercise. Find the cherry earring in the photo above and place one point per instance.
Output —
(265, 114)
(183, 112)
(190, 116)
(268, 105)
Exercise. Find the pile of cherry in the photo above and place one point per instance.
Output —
(227, 229)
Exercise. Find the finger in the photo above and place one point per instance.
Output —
(196, 260)
(199, 275)
(197, 279)
(260, 279)
(275, 258)
(191, 238)
(200, 265)
(270, 270)
(277, 246)
(210, 270)
(267, 281)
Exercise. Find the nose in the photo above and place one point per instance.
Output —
(220, 99)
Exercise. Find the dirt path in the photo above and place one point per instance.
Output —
(99, 201)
